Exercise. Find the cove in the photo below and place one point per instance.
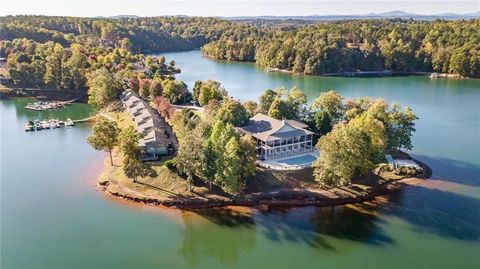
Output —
(51, 216)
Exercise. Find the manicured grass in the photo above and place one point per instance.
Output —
(165, 184)
(168, 184)
(123, 119)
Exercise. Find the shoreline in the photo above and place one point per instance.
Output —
(12, 91)
(286, 197)
(366, 74)
(343, 75)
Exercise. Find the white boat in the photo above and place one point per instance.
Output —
(69, 123)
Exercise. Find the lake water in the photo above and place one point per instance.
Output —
(51, 216)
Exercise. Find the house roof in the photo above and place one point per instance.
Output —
(267, 128)
(148, 122)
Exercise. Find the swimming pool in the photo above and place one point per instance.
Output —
(300, 160)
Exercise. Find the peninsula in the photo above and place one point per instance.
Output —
(220, 152)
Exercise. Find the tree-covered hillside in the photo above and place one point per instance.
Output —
(153, 34)
(314, 48)
(345, 46)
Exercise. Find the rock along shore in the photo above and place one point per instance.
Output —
(294, 197)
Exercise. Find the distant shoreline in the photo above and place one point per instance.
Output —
(353, 74)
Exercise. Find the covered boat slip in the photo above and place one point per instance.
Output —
(399, 163)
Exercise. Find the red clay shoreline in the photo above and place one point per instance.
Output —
(287, 197)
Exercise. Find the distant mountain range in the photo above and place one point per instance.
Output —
(385, 15)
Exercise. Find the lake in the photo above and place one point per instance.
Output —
(52, 217)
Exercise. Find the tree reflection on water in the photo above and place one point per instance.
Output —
(231, 233)
(313, 225)
(225, 233)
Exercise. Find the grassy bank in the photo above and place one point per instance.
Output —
(286, 188)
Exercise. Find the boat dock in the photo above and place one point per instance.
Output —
(444, 75)
(41, 106)
(38, 125)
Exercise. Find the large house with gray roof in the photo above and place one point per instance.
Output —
(155, 141)
(278, 138)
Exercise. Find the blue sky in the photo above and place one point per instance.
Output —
(89, 8)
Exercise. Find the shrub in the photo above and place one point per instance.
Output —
(170, 164)
(407, 171)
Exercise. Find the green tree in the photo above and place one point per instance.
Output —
(196, 90)
(251, 108)
(134, 83)
(74, 75)
(232, 112)
(221, 133)
(280, 109)
(126, 44)
(209, 168)
(230, 176)
(400, 128)
(104, 136)
(104, 87)
(323, 124)
(331, 103)
(212, 109)
(297, 100)
(37, 72)
(53, 73)
(20, 72)
(191, 156)
(144, 90)
(156, 88)
(129, 147)
(248, 156)
(266, 100)
(460, 62)
(161, 60)
(175, 91)
(210, 90)
(349, 150)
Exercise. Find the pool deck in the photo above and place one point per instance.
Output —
(280, 165)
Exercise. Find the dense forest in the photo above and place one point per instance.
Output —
(99, 71)
(346, 46)
(152, 34)
(306, 48)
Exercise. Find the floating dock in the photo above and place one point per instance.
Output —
(41, 106)
(38, 125)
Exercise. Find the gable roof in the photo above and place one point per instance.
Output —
(148, 122)
(267, 128)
